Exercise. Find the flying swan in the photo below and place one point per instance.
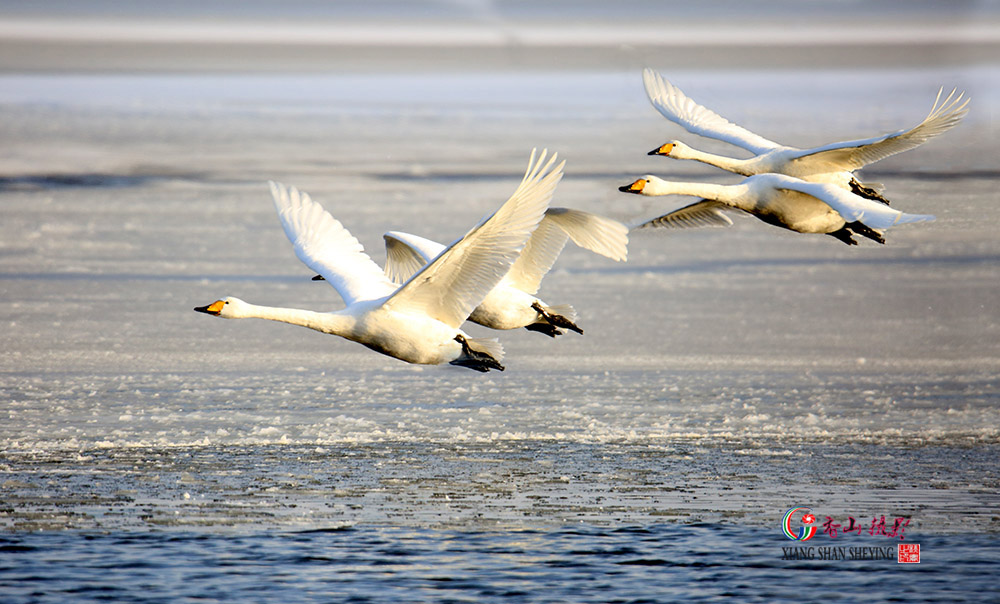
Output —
(784, 201)
(418, 321)
(834, 163)
(512, 303)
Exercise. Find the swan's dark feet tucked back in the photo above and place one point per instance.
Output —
(844, 234)
(867, 192)
(474, 359)
(554, 319)
(865, 231)
(546, 328)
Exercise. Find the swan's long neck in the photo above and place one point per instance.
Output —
(332, 323)
(723, 193)
(731, 164)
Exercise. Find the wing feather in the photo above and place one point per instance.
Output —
(696, 119)
(592, 232)
(406, 254)
(704, 213)
(537, 258)
(325, 246)
(598, 234)
(852, 155)
(457, 280)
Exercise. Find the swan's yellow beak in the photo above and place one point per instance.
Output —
(215, 308)
(663, 149)
(635, 187)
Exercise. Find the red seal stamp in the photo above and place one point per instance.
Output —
(908, 553)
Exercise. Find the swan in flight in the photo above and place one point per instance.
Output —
(834, 163)
(784, 201)
(512, 303)
(418, 321)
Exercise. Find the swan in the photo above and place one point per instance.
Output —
(784, 201)
(418, 321)
(512, 303)
(834, 163)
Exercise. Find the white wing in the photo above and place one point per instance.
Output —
(537, 258)
(852, 155)
(852, 207)
(683, 111)
(405, 254)
(598, 234)
(325, 246)
(455, 282)
(589, 231)
(699, 214)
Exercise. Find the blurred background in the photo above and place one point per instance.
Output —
(256, 35)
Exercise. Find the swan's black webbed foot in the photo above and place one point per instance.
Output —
(473, 359)
(865, 231)
(318, 278)
(844, 234)
(546, 328)
(556, 320)
(867, 192)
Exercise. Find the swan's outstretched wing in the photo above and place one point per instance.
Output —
(699, 214)
(852, 207)
(589, 231)
(678, 108)
(405, 254)
(537, 258)
(458, 279)
(852, 155)
(325, 246)
(598, 234)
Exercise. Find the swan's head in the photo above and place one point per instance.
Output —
(227, 308)
(674, 149)
(636, 187)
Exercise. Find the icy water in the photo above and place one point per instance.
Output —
(150, 453)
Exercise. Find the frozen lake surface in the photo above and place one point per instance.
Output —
(725, 375)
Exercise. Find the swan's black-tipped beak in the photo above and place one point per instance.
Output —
(215, 308)
(663, 149)
(318, 278)
(635, 187)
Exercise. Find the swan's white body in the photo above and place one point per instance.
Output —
(834, 163)
(512, 303)
(418, 321)
(785, 201)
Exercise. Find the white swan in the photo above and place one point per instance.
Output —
(512, 303)
(784, 201)
(833, 163)
(417, 322)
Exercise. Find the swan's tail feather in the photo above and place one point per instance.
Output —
(908, 218)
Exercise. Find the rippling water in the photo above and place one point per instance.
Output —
(581, 563)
